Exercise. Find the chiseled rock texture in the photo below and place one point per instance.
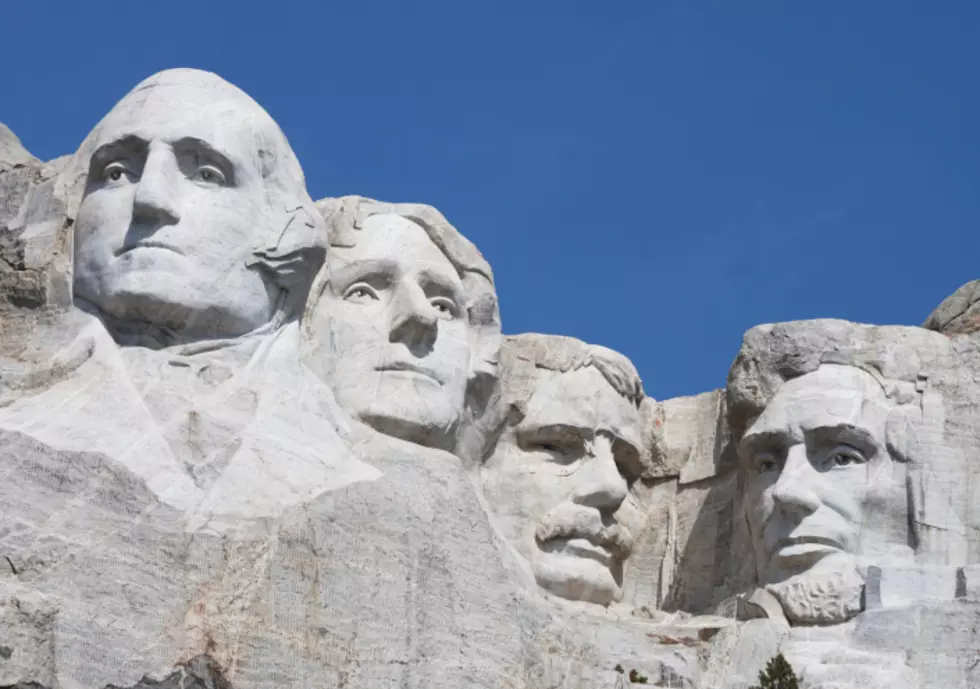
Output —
(959, 313)
(198, 492)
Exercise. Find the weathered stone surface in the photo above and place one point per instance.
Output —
(251, 441)
(959, 313)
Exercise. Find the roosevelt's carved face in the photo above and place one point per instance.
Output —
(821, 489)
(559, 482)
(173, 207)
(391, 335)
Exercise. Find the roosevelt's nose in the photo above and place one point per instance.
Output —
(599, 482)
(794, 491)
(156, 192)
(414, 321)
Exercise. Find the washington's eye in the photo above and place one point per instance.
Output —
(113, 172)
(209, 174)
(445, 307)
(360, 294)
(845, 455)
(766, 462)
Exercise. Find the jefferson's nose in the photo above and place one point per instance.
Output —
(794, 490)
(600, 485)
(413, 319)
(156, 191)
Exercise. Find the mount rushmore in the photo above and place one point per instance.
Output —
(254, 440)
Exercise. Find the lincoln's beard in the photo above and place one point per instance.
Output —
(829, 597)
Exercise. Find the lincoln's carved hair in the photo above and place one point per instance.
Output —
(293, 244)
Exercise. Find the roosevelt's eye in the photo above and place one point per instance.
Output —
(446, 307)
(115, 171)
(845, 455)
(360, 294)
(766, 462)
(209, 174)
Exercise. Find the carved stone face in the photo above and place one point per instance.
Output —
(393, 332)
(173, 207)
(821, 487)
(559, 482)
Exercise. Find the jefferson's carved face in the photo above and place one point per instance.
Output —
(173, 208)
(558, 484)
(391, 332)
(820, 483)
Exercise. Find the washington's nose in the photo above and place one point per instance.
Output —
(794, 490)
(413, 320)
(156, 193)
(600, 484)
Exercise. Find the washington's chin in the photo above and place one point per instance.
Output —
(576, 577)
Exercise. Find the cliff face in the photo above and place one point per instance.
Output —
(368, 487)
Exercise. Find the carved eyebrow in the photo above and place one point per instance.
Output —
(764, 440)
(528, 430)
(859, 437)
(447, 287)
(203, 149)
(123, 146)
(343, 275)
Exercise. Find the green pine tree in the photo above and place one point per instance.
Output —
(778, 675)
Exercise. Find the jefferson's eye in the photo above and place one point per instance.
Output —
(445, 307)
(845, 455)
(766, 462)
(209, 174)
(360, 294)
(113, 172)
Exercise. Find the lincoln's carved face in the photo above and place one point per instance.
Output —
(173, 208)
(821, 488)
(394, 333)
(558, 484)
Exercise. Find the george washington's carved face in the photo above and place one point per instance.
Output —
(173, 209)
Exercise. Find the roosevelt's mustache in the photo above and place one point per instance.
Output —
(576, 521)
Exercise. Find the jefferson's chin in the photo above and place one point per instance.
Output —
(401, 404)
(576, 578)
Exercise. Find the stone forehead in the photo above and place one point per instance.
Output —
(832, 393)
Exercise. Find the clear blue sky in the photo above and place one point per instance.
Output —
(653, 176)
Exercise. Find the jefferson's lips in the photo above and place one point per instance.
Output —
(148, 244)
(408, 367)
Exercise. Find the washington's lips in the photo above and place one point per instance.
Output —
(408, 367)
(148, 244)
(805, 545)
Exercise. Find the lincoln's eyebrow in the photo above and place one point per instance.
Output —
(847, 433)
(764, 440)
